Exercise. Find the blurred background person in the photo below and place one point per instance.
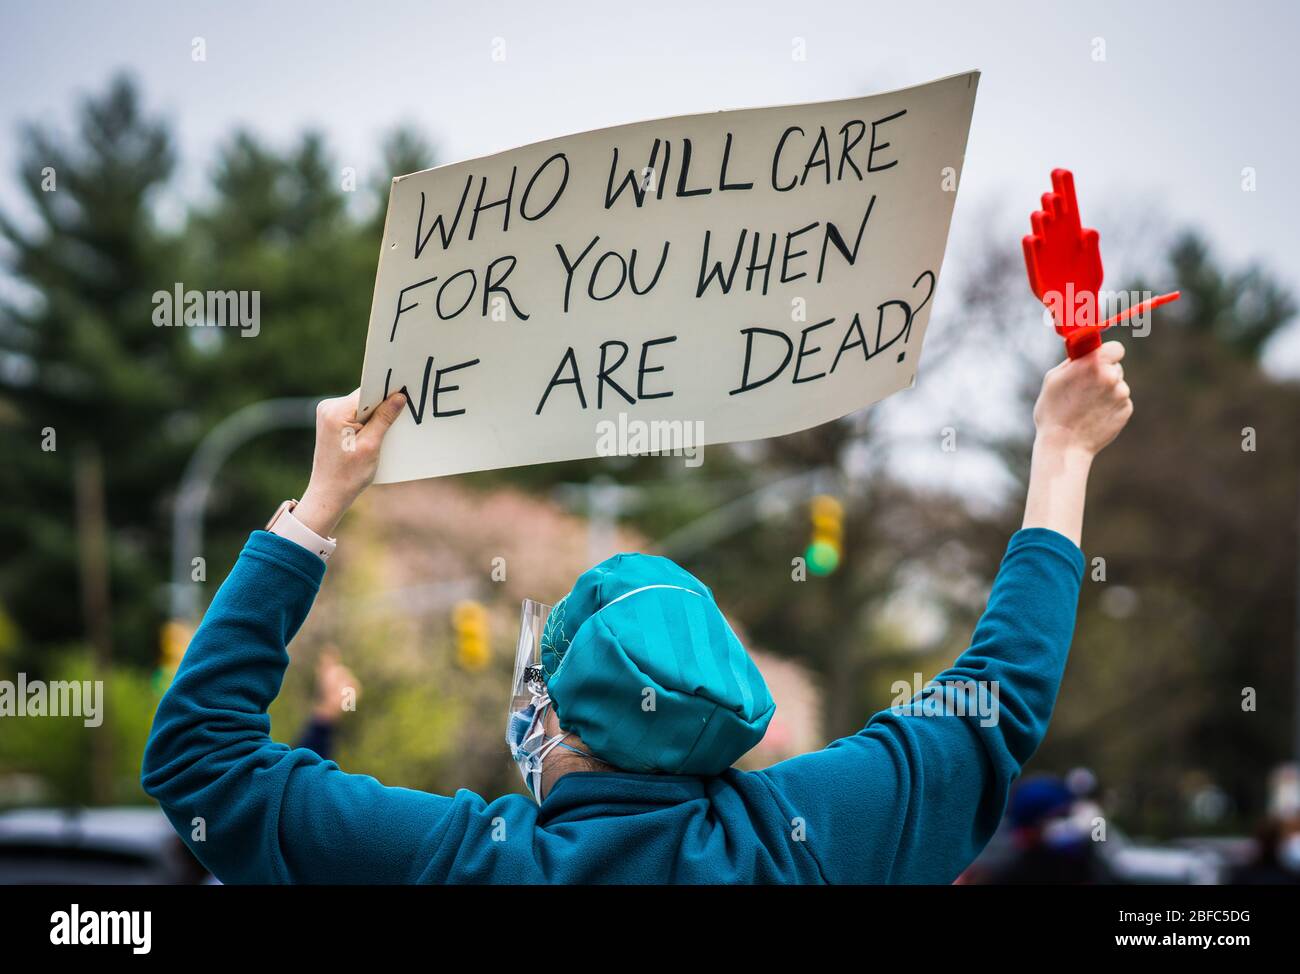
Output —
(1276, 856)
(1051, 838)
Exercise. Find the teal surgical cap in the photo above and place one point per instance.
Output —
(641, 664)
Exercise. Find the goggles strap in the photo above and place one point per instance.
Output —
(577, 750)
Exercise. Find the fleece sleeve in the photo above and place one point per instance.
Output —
(252, 810)
(917, 793)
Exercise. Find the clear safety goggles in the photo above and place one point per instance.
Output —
(529, 701)
(525, 720)
(528, 682)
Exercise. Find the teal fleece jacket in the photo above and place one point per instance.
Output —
(911, 798)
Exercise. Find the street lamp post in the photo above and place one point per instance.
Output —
(196, 486)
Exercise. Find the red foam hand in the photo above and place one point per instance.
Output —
(1063, 259)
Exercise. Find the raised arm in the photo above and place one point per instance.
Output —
(250, 809)
(1083, 405)
(917, 793)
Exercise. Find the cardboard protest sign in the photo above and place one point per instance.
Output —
(741, 274)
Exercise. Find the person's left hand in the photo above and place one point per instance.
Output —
(347, 454)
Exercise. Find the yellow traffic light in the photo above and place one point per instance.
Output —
(470, 621)
(173, 640)
(827, 545)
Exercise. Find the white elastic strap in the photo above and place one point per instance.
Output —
(647, 588)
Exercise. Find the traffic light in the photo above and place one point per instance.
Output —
(173, 639)
(470, 620)
(827, 544)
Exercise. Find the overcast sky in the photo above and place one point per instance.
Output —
(1156, 106)
(1188, 95)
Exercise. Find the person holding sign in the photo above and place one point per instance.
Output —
(633, 698)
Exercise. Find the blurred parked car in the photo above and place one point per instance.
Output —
(1144, 863)
(93, 846)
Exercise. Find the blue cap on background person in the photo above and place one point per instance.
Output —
(1037, 799)
(641, 665)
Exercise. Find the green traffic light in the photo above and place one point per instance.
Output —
(822, 557)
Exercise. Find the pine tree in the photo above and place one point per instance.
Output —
(86, 379)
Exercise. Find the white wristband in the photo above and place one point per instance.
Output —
(290, 528)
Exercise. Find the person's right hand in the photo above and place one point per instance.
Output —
(347, 453)
(1085, 402)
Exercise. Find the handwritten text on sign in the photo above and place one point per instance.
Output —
(750, 273)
